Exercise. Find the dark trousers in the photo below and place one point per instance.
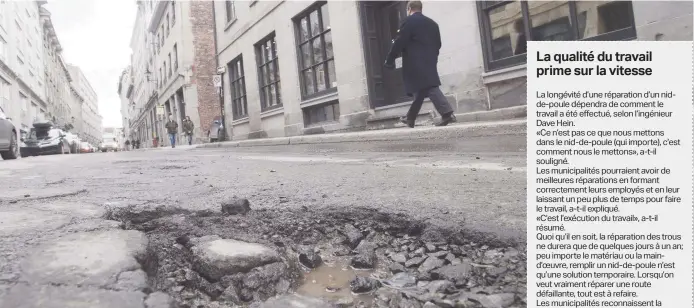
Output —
(437, 98)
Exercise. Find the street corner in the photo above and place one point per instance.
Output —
(86, 259)
(16, 220)
(48, 296)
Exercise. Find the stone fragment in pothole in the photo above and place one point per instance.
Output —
(403, 302)
(430, 305)
(401, 280)
(458, 274)
(399, 258)
(215, 257)
(295, 301)
(363, 284)
(396, 268)
(236, 206)
(366, 256)
(430, 264)
(354, 236)
(414, 262)
(502, 300)
(438, 286)
(310, 258)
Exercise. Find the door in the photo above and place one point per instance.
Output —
(380, 22)
(391, 16)
(373, 54)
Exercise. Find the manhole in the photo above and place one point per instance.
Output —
(320, 258)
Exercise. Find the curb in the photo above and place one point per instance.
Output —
(476, 129)
(494, 115)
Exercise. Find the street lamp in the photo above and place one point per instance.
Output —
(221, 70)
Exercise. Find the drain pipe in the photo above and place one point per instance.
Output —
(220, 95)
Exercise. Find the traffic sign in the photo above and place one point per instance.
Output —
(217, 80)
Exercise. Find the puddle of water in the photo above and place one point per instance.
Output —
(330, 281)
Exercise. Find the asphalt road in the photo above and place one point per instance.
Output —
(52, 206)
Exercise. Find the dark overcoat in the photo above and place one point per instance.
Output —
(418, 42)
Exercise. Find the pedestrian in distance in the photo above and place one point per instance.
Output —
(127, 145)
(188, 128)
(418, 43)
(172, 130)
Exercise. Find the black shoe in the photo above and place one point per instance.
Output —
(407, 122)
(446, 120)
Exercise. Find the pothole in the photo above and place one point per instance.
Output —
(321, 258)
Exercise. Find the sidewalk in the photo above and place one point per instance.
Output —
(508, 127)
(506, 121)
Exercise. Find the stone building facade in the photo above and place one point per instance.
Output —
(35, 83)
(22, 78)
(287, 74)
(89, 127)
(58, 78)
(172, 65)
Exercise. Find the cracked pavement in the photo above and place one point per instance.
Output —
(55, 242)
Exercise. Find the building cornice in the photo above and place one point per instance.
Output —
(158, 14)
(49, 30)
(64, 66)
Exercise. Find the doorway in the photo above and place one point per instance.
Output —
(380, 21)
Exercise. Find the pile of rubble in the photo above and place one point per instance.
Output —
(239, 257)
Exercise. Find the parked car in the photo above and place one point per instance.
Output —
(85, 147)
(73, 141)
(9, 135)
(108, 144)
(45, 139)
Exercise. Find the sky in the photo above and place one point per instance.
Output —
(95, 35)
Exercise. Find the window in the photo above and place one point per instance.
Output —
(3, 49)
(162, 36)
(168, 26)
(268, 73)
(161, 76)
(230, 10)
(173, 12)
(237, 80)
(157, 43)
(164, 75)
(170, 65)
(175, 63)
(316, 61)
(507, 25)
(322, 113)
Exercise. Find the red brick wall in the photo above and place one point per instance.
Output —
(204, 63)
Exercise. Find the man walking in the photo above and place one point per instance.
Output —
(172, 129)
(418, 43)
(188, 127)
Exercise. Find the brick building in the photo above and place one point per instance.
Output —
(171, 69)
(289, 74)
